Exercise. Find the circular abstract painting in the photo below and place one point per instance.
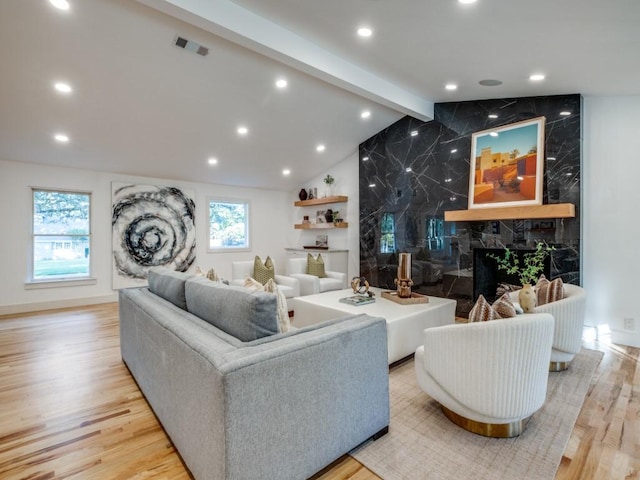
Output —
(152, 227)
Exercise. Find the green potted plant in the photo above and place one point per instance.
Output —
(532, 264)
(329, 181)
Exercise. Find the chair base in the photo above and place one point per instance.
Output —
(497, 430)
(558, 366)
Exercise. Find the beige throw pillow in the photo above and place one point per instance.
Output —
(482, 311)
(283, 312)
(263, 272)
(315, 266)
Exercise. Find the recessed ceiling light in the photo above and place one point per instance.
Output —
(494, 134)
(281, 83)
(286, 171)
(61, 137)
(371, 185)
(212, 161)
(408, 169)
(243, 130)
(490, 82)
(320, 148)
(467, 2)
(365, 114)
(447, 180)
(365, 31)
(451, 86)
(364, 159)
(454, 150)
(565, 113)
(61, 4)
(414, 133)
(551, 158)
(568, 174)
(492, 115)
(453, 199)
(62, 87)
(536, 77)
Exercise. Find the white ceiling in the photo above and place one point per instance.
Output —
(141, 106)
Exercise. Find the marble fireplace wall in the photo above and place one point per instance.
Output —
(414, 171)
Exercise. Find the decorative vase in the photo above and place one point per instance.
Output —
(311, 195)
(527, 298)
(328, 190)
(328, 216)
(303, 194)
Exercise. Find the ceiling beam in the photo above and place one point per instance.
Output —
(241, 26)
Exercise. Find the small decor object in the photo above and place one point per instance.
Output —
(358, 300)
(506, 165)
(302, 195)
(329, 181)
(403, 281)
(328, 216)
(311, 194)
(322, 241)
(320, 216)
(305, 219)
(360, 285)
(533, 263)
(527, 298)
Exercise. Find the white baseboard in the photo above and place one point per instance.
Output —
(625, 337)
(72, 302)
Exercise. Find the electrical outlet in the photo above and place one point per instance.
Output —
(630, 324)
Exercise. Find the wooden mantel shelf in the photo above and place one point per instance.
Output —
(554, 210)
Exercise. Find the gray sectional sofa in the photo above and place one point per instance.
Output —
(241, 401)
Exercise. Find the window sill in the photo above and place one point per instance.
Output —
(62, 282)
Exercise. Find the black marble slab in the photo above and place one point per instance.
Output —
(413, 171)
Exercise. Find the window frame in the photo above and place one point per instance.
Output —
(62, 280)
(247, 224)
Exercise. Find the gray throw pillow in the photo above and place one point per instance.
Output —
(169, 285)
(237, 311)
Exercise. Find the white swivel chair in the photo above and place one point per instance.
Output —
(489, 377)
(569, 316)
(310, 284)
(242, 269)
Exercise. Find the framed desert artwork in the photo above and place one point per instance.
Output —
(506, 165)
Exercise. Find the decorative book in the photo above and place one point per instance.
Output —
(358, 300)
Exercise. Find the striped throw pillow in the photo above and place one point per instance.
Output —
(549, 291)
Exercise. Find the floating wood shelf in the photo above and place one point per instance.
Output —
(321, 201)
(309, 226)
(553, 210)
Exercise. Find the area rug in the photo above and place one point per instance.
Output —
(423, 444)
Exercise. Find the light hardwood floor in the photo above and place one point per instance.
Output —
(70, 409)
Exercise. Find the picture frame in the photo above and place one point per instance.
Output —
(506, 167)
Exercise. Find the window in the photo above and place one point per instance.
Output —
(387, 234)
(61, 235)
(228, 225)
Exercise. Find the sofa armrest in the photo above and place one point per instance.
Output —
(290, 282)
(338, 276)
(309, 284)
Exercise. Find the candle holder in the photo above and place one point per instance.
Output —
(403, 282)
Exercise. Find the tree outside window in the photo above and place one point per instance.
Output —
(61, 239)
(387, 233)
(228, 225)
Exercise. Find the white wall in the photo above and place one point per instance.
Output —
(610, 212)
(270, 229)
(346, 174)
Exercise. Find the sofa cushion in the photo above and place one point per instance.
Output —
(504, 307)
(263, 272)
(169, 285)
(283, 312)
(315, 266)
(237, 311)
(549, 291)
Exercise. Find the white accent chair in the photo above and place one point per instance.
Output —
(242, 269)
(489, 377)
(569, 316)
(310, 284)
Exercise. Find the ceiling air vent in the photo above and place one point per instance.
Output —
(191, 46)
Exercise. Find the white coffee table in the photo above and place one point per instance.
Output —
(405, 323)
